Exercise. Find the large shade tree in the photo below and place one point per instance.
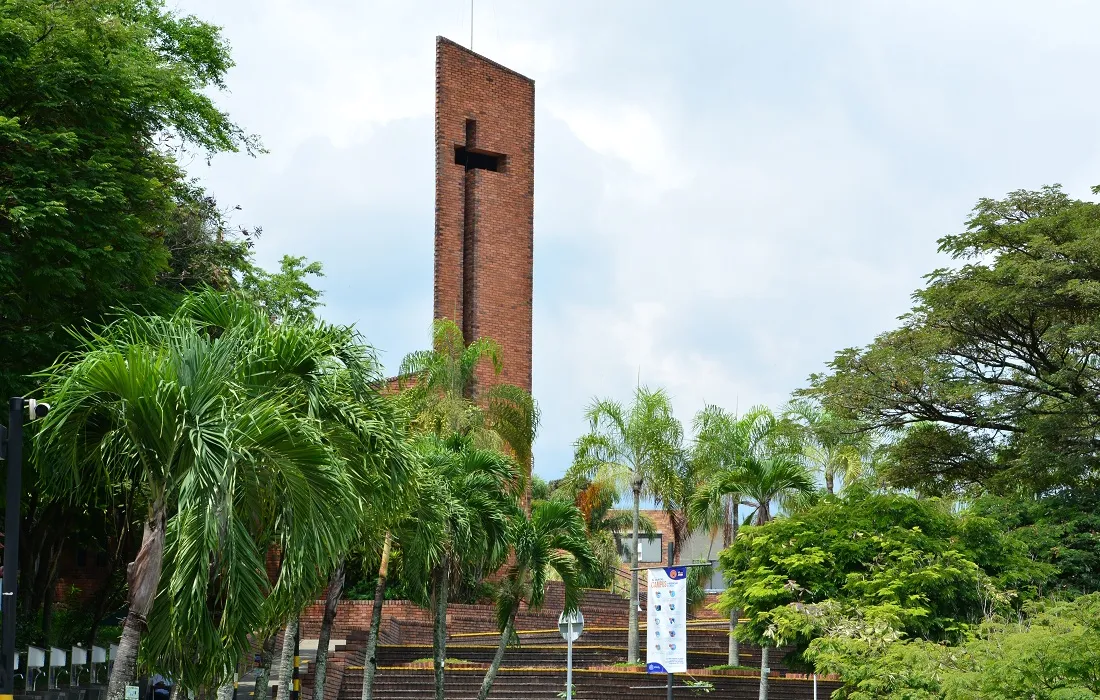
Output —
(993, 373)
(634, 447)
(96, 99)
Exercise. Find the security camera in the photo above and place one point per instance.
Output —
(37, 410)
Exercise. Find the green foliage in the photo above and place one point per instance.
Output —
(926, 571)
(94, 211)
(285, 295)
(243, 435)
(1061, 530)
(994, 368)
(1051, 653)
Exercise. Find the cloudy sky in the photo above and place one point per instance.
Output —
(726, 192)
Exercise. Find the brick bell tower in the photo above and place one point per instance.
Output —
(484, 203)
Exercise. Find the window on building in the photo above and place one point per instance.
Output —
(651, 552)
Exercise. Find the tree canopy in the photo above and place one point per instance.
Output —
(96, 99)
(912, 563)
(994, 373)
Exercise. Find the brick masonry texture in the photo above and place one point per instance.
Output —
(484, 220)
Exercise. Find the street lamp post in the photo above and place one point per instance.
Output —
(13, 447)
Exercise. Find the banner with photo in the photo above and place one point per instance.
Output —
(666, 617)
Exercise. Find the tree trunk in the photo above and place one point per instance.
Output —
(735, 649)
(332, 599)
(632, 625)
(829, 477)
(263, 676)
(144, 579)
(286, 658)
(491, 674)
(225, 691)
(764, 671)
(439, 636)
(370, 660)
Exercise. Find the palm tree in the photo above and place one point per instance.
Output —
(194, 415)
(753, 461)
(437, 388)
(461, 524)
(634, 449)
(831, 445)
(551, 538)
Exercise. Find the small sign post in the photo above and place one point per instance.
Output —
(570, 626)
(131, 692)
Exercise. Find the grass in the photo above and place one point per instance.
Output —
(728, 667)
(428, 660)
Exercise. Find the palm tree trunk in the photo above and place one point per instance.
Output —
(332, 599)
(632, 625)
(829, 478)
(491, 674)
(370, 660)
(764, 671)
(286, 658)
(735, 649)
(263, 676)
(144, 579)
(439, 636)
(225, 691)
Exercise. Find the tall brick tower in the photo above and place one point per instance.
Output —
(484, 203)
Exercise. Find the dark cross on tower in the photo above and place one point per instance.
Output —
(474, 159)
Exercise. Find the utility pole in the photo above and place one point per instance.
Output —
(11, 447)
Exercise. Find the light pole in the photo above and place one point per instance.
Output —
(11, 449)
(570, 625)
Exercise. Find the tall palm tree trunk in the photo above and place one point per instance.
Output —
(144, 579)
(332, 599)
(286, 658)
(370, 660)
(439, 632)
(491, 674)
(632, 625)
(829, 479)
(764, 671)
(263, 675)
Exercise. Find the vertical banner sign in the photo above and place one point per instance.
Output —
(666, 617)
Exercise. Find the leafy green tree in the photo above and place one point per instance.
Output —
(923, 570)
(551, 539)
(1060, 530)
(286, 295)
(993, 371)
(460, 525)
(633, 448)
(95, 213)
(1050, 653)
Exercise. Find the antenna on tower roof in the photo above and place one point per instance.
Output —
(471, 25)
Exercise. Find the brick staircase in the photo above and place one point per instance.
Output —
(535, 668)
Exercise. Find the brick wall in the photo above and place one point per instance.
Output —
(484, 219)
